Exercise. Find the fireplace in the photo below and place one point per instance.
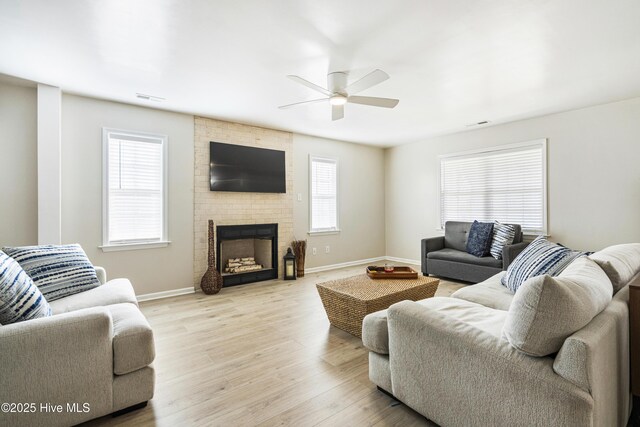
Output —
(247, 253)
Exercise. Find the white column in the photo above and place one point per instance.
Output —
(49, 165)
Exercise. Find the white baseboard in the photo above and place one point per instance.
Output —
(343, 265)
(360, 262)
(165, 294)
(185, 291)
(403, 260)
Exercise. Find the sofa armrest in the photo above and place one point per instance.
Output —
(430, 244)
(596, 358)
(510, 252)
(437, 354)
(101, 273)
(60, 359)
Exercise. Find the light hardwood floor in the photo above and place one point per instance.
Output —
(261, 354)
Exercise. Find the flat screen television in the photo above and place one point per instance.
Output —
(246, 169)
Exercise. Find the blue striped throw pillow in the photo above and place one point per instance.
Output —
(538, 258)
(57, 270)
(20, 299)
(503, 234)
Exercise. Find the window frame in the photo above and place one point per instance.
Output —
(107, 245)
(542, 143)
(323, 231)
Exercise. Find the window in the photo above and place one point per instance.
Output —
(324, 195)
(506, 183)
(134, 190)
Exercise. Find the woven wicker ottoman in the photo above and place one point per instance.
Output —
(348, 300)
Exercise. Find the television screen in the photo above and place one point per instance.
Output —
(246, 169)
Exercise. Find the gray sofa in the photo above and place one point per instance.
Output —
(446, 256)
(449, 359)
(95, 352)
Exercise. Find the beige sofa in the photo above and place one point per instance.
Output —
(449, 359)
(93, 357)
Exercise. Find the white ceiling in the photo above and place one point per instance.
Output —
(451, 62)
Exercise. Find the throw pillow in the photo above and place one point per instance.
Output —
(503, 234)
(20, 299)
(619, 262)
(547, 310)
(57, 270)
(479, 240)
(538, 258)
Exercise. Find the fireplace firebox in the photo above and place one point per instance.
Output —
(247, 253)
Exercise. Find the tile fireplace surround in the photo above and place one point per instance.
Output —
(229, 208)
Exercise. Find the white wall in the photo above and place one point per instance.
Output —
(360, 199)
(150, 270)
(593, 177)
(18, 139)
(49, 165)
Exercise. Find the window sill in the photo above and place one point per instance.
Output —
(134, 246)
(323, 233)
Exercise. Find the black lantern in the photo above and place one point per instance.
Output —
(289, 265)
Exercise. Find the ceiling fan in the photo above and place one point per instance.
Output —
(338, 93)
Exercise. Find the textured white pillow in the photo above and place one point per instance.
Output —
(620, 262)
(546, 310)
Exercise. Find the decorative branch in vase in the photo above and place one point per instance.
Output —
(211, 282)
(300, 250)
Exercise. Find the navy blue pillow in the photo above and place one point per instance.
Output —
(480, 236)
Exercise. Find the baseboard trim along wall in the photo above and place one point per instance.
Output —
(165, 294)
(403, 260)
(343, 264)
(185, 291)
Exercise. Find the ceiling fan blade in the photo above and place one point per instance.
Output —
(295, 104)
(308, 84)
(373, 101)
(371, 79)
(337, 112)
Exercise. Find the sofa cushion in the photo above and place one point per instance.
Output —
(546, 310)
(20, 299)
(479, 240)
(57, 270)
(455, 255)
(538, 258)
(375, 332)
(503, 234)
(133, 346)
(455, 235)
(489, 293)
(619, 262)
(113, 292)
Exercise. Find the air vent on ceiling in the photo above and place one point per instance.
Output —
(149, 97)
(484, 122)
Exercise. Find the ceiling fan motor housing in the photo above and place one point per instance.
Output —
(336, 82)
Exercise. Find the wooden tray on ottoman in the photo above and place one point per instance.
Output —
(397, 273)
(348, 300)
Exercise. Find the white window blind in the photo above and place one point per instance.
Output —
(134, 188)
(506, 184)
(324, 194)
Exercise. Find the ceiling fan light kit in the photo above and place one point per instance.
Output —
(339, 93)
(338, 100)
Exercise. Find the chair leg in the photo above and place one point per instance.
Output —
(129, 409)
(386, 392)
(634, 419)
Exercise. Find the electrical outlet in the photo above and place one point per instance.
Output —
(299, 197)
(314, 251)
(327, 249)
